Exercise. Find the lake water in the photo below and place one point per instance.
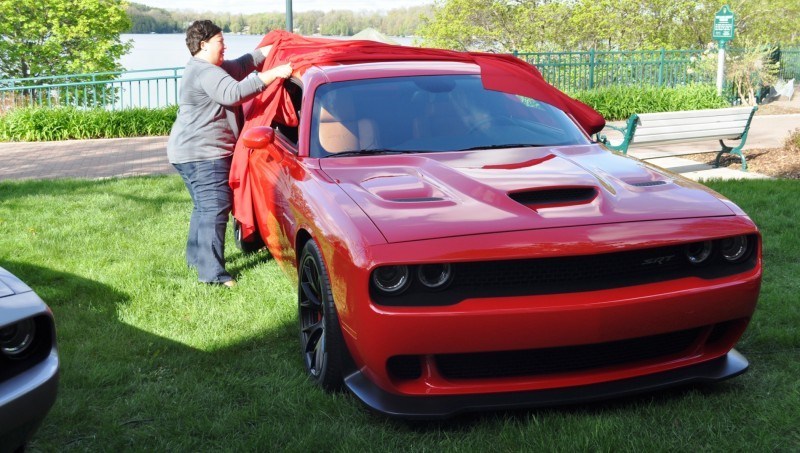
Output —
(152, 86)
(168, 51)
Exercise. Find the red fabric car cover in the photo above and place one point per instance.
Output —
(499, 72)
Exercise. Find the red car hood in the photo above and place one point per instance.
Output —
(423, 196)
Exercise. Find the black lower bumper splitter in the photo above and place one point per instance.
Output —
(441, 407)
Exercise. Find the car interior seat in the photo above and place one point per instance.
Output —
(341, 129)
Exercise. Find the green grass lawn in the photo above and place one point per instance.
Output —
(154, 361)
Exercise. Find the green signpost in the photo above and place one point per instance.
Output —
(724, 26)
(723, 32)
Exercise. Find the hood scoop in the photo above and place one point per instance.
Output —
(403, 188)
(417, 199)
(548, 198)
(647, 183)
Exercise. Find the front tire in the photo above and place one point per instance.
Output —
(320, 333)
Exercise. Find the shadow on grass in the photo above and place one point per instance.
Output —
(89, 310)
(119, 382)
(72, 187)
(241, 262)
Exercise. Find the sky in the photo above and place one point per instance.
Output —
(263, 6)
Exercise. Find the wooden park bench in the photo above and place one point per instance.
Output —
(717, 124)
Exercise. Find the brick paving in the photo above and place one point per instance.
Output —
(93, 159)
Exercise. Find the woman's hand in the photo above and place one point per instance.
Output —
(283, 71)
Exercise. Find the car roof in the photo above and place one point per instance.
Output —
(350, 71)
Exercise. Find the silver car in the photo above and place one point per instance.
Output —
(28, 362)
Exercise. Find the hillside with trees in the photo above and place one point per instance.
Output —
(395, 22)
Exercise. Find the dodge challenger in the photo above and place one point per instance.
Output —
(457, 248)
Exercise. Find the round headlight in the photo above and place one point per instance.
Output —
(17, 338)
(698, 252)
(733, 249)
(391, 279)
(435, 276)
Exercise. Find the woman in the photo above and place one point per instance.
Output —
(203, 137)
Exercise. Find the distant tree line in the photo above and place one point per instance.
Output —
(396, 22)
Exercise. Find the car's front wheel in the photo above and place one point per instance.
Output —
(320, 333)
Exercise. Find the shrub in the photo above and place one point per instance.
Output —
(620, 102)
(793, 142)
(65, 123)
(747, 69)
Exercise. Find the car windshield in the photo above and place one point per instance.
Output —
(431, 114)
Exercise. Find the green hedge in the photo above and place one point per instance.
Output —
(42, 124)
(620, 102)
(64, 123)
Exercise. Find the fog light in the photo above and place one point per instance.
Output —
(699, 252)
(435, 276)
(391, 279)
(734, 249)
(17, 338)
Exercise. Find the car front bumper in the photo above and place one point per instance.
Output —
(26, 397)
(448, 353)
(25, 400)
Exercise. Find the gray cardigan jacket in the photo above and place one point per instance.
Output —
(209, 113)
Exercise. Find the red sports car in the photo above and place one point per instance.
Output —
(457, 248)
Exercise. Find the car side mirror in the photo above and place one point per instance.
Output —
(258, 137)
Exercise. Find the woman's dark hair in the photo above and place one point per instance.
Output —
(199, 31)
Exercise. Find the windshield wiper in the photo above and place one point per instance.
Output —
(508, 145)
(374, 151)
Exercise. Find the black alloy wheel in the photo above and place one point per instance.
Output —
(320, 333)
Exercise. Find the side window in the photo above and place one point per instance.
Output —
(296, 96)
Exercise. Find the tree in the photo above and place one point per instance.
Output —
(146, 19)
(307, 23)
(263, 23)
(763, 21)
(540, 25)
(237, 24)
(469, 25)
(338, 23)
(50, 37)
(403, 21)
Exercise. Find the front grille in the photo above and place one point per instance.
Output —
(564, 359)
(575, 271)
(559, 275)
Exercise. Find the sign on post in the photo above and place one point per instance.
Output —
(723, 31)
(724, 26)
